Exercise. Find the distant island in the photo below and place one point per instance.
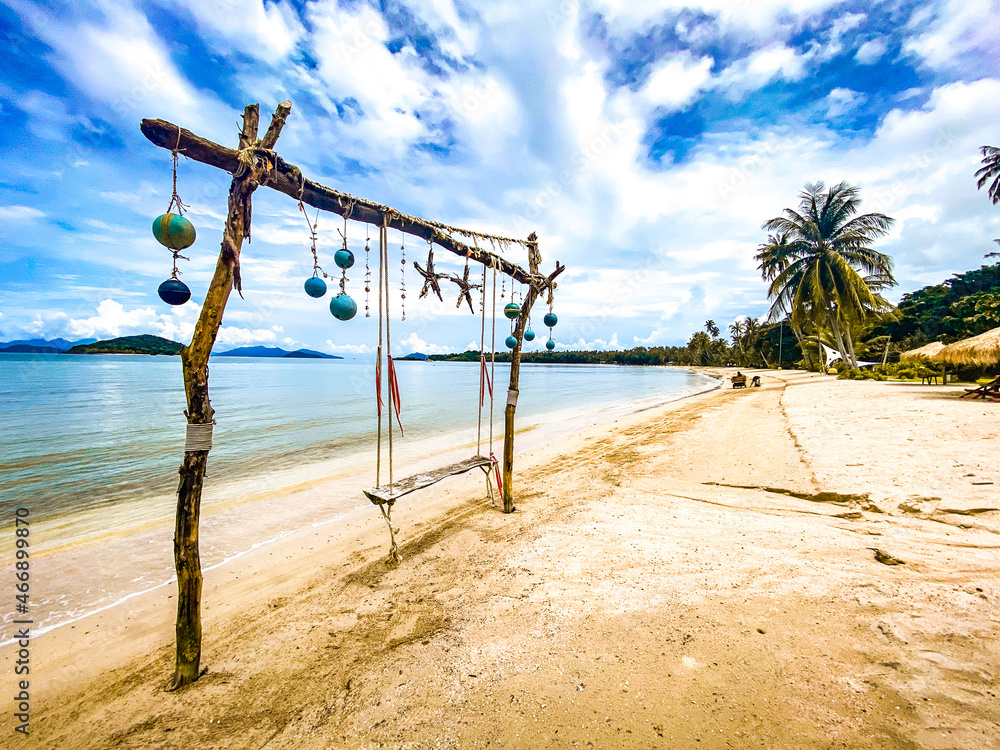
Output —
(274, 351)
(143, 344)
(40, 346)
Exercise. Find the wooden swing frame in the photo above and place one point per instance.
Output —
(255, 164)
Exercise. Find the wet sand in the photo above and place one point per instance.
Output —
(702, 574)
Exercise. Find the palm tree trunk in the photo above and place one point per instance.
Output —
(831, 319)
(850, 348)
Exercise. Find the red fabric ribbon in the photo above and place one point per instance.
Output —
(496, 473)
(394, 393)
(484, 382)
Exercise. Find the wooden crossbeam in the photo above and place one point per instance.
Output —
(385, 494)
(288, 179)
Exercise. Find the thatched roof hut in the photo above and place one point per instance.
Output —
(929, 351)
(983, 350)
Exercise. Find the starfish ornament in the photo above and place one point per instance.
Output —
(430, 276)
(465, 288)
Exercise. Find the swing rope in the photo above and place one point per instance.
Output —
(392, 388)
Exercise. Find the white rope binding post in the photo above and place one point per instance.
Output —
(198, 437)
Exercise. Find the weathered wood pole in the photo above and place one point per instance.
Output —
(534, 261)
(512, 391)
(194, 359)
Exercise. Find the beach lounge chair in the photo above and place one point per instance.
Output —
(990, 390)
(739, 381)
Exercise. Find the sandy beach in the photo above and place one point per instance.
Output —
(706, 574)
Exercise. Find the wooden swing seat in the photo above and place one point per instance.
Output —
(382, 494)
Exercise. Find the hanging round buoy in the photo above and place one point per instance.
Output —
(344, 259)
(343, 307)
(512, 310)
(174, 231)
(550, 345)
(550, 319)
(315, 286)
(529, 335)
(511, 342)
(174, 292)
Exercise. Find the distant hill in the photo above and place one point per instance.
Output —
(43, 346)
(144, 344)
(274, 351)
(415, 355)
(28, 349)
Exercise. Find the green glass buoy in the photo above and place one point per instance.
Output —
(529, 335)
(343, 307)
(315, 286)
(550, 345)
(511, 342)
(174, 231)
(512, 310)
(550, 319)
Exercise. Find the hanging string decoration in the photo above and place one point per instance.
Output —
(550, 320)
(402, 276)
(314, 286)
(342, 307)
(175, 233)
(368, 271)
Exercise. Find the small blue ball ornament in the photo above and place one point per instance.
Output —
(550, 345)
(512, 310)
(344, 259)
(343, 307)
(511, 342)
(550, 319)
(174, 292)
(315, 287)
(174, 231)
(529, 335)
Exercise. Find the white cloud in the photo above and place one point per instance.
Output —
(840, 101)
(413, 343)
(761, 67)
(959, 27)
(349, 348)
(676, 81)
(871, 51)
(20, 213)
(268, 31)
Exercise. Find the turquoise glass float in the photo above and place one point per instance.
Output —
(174, 231)
(511, 342)
(512, 310)
(174, 292)
(550, 319)
(529, 335)
(550, 345)
(315, 287)
(343, 307)
(344, 259)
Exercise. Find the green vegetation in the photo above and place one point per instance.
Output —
(144, 344)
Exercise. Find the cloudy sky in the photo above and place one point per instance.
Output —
(645, 143)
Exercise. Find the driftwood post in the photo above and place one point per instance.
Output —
(534, 260)
(255, 165)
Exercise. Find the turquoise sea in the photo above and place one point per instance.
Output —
(90, 444)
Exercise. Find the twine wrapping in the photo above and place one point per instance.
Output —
(198, 437)
(511, 397)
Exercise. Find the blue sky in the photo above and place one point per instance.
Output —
(645, 143)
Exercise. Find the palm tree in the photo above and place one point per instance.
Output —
(815, 260)
(737, 332)
(990, 170)
(712, 329)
